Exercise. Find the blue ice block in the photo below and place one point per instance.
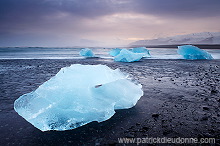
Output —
(192, 52)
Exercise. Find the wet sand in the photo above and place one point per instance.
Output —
(181, 99)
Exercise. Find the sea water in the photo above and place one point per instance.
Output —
(73, 53)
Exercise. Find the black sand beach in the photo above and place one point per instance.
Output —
(181, 99)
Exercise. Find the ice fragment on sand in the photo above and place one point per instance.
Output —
(193, 52)
(128, 56)
(77, 95)
(141, 50)
(86, 52)
(115, 52)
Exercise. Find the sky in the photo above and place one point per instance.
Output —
(69, 23)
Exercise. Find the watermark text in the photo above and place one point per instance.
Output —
(166, 140)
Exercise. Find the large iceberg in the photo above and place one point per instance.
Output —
(115, 52)
(77, 95)
(128, 56)
(86, 52)
(193, 52)
(141, 50)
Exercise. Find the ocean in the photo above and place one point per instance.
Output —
(73, 53)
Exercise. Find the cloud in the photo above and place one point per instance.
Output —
(34, 10)
(186, 8)
(104, 20)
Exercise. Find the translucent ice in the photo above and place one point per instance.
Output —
(141, 50)
(86, 52)
(193, 52)
(115, 52)
(128, 56)
(77, 95)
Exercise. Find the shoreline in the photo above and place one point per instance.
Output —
(181, 99)
(202, 46)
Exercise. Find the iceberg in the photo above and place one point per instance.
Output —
(86, 52)
(128, 56)
(78, 95)
(141, 50)
(193, 52)
(115, 52)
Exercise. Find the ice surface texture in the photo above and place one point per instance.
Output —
(128, 56)
(86, 52)
(193, 52)
(141, 50)
(77, 95)
(115, 52)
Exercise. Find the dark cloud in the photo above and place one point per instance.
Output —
(29, 14)
(185, 8)
(35, 10)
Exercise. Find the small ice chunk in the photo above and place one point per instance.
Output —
(128, 56)
(77, 95)
(86, 52)
(141, 50)
(115, 52)
(193, 52)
